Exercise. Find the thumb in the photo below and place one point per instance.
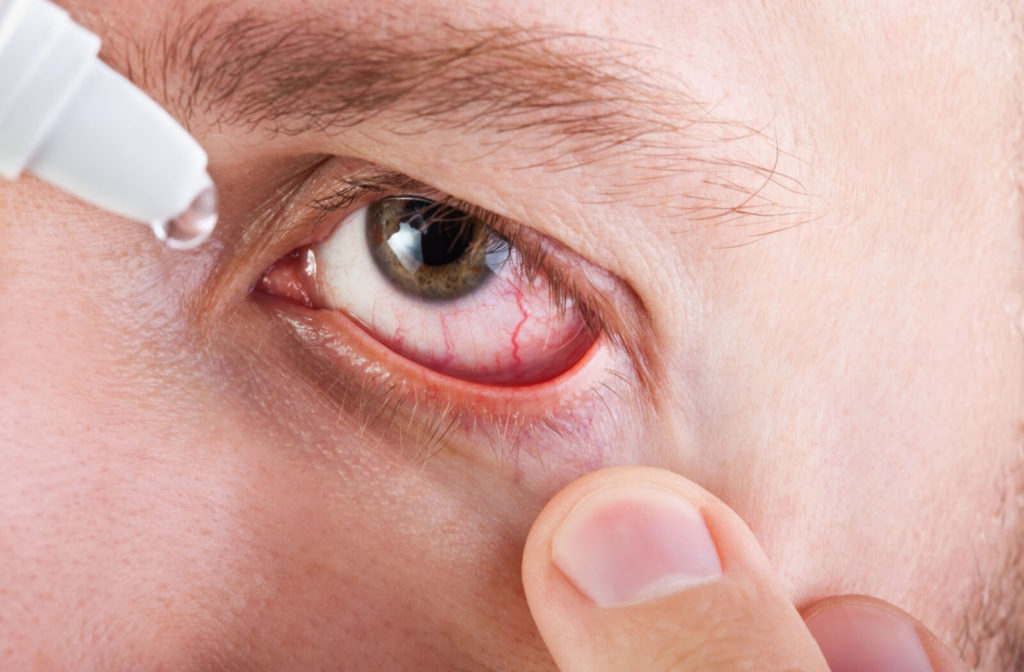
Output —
(635, 568)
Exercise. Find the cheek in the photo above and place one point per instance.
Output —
(129, 532)
(362, 557)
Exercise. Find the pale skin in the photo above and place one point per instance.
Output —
(824, 283)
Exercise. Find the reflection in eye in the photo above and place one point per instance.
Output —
(442, 288)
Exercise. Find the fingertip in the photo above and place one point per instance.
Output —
(730, 535)
(636, 567)
(626, 544)
(691, 537)
(858, 632)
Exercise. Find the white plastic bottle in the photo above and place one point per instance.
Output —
(68, 118)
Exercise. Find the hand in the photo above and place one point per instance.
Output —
(635, 568)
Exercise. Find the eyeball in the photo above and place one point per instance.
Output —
(440, 287)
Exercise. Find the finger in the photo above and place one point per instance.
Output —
(856, 632)
(634, 568)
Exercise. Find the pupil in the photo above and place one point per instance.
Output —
(445, 233)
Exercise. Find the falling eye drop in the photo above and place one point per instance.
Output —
(68, 118)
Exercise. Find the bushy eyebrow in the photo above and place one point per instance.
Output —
(568, 99)
(295, 75)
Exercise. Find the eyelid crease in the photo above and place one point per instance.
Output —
(626, 326)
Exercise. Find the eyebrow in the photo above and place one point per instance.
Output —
(293, 75)
(569, 99)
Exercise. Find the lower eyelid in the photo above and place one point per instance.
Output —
(347, 345)
(567, 421)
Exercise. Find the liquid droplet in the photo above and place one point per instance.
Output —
(193, 226)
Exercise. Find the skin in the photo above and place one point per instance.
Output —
(181, 489)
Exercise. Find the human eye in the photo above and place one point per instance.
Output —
(441, 286)
(435, 308)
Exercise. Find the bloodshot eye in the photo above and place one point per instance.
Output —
(441, 288)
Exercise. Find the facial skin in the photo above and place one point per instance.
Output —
(809, 231)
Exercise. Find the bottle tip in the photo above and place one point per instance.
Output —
(192, 227)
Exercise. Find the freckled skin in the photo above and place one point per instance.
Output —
(835, 353)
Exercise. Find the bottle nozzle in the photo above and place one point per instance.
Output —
(70, 119)
(192, 227)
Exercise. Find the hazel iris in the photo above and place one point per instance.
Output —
(431, 250)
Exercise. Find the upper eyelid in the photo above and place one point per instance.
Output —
(384, 182)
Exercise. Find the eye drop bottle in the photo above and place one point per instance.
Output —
(68, 118)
